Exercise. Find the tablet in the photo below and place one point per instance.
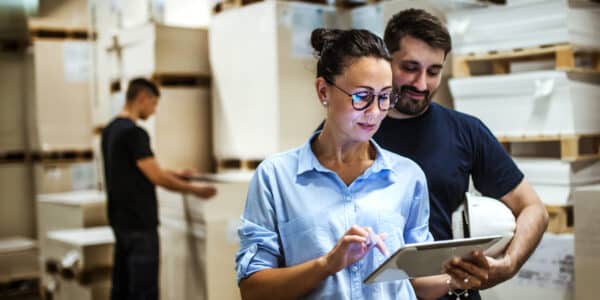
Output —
(426, 259)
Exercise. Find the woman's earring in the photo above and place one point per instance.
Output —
(324, 103)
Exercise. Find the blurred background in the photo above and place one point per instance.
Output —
(236, 80)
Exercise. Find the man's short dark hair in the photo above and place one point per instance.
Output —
(141, 84)
(418, 24)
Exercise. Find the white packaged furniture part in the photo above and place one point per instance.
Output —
(511, 27)
(533, 103)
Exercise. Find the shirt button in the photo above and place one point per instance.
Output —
(348, 198)
(354, 269)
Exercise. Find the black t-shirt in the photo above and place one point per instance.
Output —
(449, 146)
(132, 202)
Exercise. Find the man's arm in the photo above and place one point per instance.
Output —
(150, 167)
(532, 220)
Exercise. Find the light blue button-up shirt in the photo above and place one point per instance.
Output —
(296, 210)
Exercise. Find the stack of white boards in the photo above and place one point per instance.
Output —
(532, 103)
(530, 25)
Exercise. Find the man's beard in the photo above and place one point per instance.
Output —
(409, 106)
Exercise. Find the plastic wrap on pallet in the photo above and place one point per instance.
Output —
(555, 180)
(533, 103)
(547, 274)
(534, 24)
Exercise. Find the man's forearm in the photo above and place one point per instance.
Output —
(531, 224)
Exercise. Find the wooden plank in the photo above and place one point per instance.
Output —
(565, 58)
(460, 67)
(561, 219)
(570, 145)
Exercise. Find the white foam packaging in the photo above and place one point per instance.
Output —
(521, 26)
(531, 103)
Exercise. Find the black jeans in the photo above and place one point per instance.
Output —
(135, 267)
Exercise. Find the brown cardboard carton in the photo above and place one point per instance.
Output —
(182, 128)
(587, 242)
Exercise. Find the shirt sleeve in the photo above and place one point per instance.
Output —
(417, 223)
(259, 240)
(138, 143)
(494, 172)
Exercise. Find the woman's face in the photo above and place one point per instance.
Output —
(363, 75)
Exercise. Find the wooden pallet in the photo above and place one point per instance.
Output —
(236, 164)
(63, 155)
(61, 33)
(231, 4)
(561, 219)
(571, 147)
(13, 156)
(172, 79)
(564, 56)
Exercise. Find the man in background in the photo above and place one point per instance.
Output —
(131, 174)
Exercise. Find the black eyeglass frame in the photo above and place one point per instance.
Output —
(393, 97)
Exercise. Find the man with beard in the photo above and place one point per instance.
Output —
(450, 146)
(131, 174)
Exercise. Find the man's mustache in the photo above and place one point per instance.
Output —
(406, 88)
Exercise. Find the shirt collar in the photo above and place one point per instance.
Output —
(307, 161)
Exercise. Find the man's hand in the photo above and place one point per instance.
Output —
(470, 273)
(203, 190)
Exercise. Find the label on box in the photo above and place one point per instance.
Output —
(551, 265)
(83, 176)
(77, 58)
(302, 20)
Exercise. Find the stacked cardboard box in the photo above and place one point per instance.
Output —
(535, 23)
(18, 259)
(78, 210)
(85, 258)
(17, 216)
(199, 241)
(536, 99)
(264, 99)
(177, 59)
(587, 243)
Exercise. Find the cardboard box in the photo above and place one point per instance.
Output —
(158, 49)
(587, 242)
(61, 14)
(548, 274)
(183, 129)
(264, 99)
(17, 214)
(69, 290)
(199, 242)
(533, 103)
(12, 91)
(60, 112)
(81, 250)
(78, 209)
(18, 259)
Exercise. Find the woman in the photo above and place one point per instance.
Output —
(312, 213)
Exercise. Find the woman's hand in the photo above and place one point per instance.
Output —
(352, 247)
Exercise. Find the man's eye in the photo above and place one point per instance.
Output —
(433, 73)
(409, 68)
